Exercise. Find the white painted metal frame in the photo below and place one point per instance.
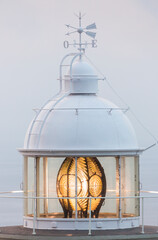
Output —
(45, 182)
(56, 99)
(45, 118)
(89, 228)
(120, 193)
(63, 65)
(79, 153)
(90, 198)
(36, 197)
(76, 187)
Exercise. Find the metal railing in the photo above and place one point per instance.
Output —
(142, 198)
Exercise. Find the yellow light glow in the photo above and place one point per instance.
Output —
(90, 183)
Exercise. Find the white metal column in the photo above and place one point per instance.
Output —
(25, 184)
(75, 187)
(45, 184)
(35, 190)
(120, 192)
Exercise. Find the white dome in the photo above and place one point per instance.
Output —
(82, 79)
(80, 122)
(81, 67)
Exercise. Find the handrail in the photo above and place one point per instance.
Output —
(46, 116)
(90, 198)
(61, 65)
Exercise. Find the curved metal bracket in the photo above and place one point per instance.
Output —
(73, 59)
(61, 65)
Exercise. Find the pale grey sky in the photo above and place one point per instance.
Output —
(31, 47)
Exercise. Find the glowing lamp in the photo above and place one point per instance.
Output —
(91, 182)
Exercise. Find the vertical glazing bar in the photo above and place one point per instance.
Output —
(80, 41)
(89, 232)
(34, 205)
(38, 187)
(124, 186)
(117, 187)
(25, 186)
(136, 185)
(45, 184)
(143, 215)
(120, 193)
(75, 187)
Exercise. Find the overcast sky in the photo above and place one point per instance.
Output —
(31, 47)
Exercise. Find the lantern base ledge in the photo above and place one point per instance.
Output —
(82, 224)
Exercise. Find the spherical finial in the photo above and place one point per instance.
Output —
(80, 30)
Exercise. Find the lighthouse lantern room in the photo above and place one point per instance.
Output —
(81, 157)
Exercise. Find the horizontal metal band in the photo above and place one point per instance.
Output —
(78, 153)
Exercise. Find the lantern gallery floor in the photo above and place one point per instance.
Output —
(69, 189)
(82, 224)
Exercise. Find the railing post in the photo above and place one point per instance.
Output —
(89, 232)
(143, 215)
(34, 216)
(120, 188)
(34, 204)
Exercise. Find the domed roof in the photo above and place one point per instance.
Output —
(81, 78)
(80, 123)
(81, 67)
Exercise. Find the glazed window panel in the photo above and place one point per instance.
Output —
(47, 169)
(40, 187)
(50, 184)
(110, 206)
(28, 185)
(53, 168)
(130, 186)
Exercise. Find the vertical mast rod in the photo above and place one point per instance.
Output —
(80, 34)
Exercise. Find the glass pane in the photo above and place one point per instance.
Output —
(130, 186)
(47, 171)
(30, 185)
(110, 206)
(40, 189)
(53, 168)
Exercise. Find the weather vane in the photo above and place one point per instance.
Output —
(80, 30)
